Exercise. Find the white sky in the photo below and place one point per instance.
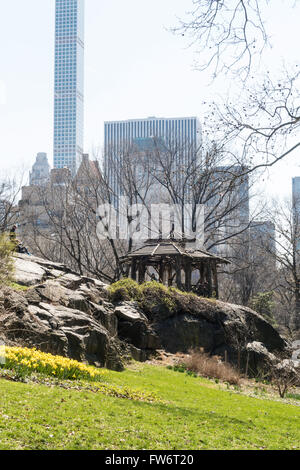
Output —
(134, 68)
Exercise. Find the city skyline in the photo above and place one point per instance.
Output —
(125, 78)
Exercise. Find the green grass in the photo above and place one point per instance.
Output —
(193, 414)
(16, 286)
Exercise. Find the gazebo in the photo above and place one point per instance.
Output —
(172, 262)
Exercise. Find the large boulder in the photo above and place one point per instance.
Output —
(60, 312)
(259, 360)
(28, 273)
(220, 328)
(217, 326)
(59, 330)
(296, 352)
(134, 327)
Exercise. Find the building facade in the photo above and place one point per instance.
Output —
(140, 136)
(40, 173)
(230, 218)
(44, 200)
(69, 84)
(296, 209)
(263, 236)
(296, 196)
(296, 190)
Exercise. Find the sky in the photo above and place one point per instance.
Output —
(134, 68)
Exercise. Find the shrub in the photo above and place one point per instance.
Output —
(6, 260)
(125, 289)
(211, 366)
(284, 376)
(156, 294)
(148, 295)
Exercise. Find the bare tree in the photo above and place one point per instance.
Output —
(9, 193)
(226, 34)
(60, 224)
(263, 120)
(286, 252)
(214, 179)
(61, 219)
(264, 126)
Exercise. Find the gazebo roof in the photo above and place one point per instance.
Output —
(154, 249)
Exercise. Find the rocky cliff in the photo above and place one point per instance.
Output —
(64, 313)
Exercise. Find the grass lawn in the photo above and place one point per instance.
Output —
(193, 414)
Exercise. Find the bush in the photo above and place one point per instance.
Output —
(211, 366)
(156, 294)
(124, 290)
(6, 260)
(148, 295)
(284, 376)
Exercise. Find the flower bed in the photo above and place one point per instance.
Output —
(25, 361)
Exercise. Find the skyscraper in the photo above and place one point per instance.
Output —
(296, 193)
(140, 135)
(69, 84)
(296, 209)
(263, 238)
(227, 209)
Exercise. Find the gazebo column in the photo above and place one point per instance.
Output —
(188, 277)
(170, 273)
(178, 273)
(142, 272)
(209, 280)
(133, 269)
(201, 273)
(162, 272)
(215, 275)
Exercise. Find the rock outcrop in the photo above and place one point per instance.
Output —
(220, 328)
(67, 314)
(61, 313)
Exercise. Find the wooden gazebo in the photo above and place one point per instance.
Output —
(172, 262)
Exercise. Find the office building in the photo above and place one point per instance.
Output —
(263, 238)
(69, 84)
(141, 136)
(227, 210)
(296, 209)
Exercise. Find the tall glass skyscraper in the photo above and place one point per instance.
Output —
(69, 84)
